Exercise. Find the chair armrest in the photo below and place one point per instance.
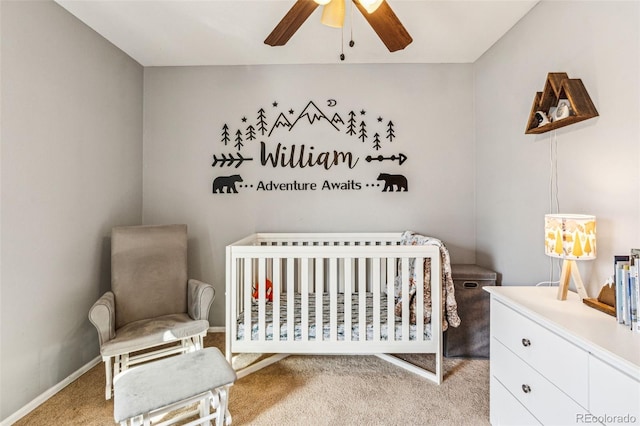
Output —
(103, 316)
(199, 299)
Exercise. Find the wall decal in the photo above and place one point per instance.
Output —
(262, 122)
(391, 181)
(391, 133)
(400, 157)
(278, 140)
(229, 160)
(281, 121)
(228, 182)
(312, 113)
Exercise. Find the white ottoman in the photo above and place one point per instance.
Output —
(159, 387)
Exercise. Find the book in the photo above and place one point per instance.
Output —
(627, 289)
(634, 278)
(619, 261)
(626, 301)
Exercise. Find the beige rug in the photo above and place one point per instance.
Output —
(313, 390)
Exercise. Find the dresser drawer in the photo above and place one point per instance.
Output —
(614, 397)
(559, 361)
(505, 409)
(538, 395)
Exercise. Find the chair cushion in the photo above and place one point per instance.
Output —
(147, 333)
(161, 383)
(148, 271)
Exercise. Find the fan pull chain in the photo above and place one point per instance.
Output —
(342, 44)
(351, 42)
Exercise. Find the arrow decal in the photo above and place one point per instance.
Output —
(400, 157)
(229, 160)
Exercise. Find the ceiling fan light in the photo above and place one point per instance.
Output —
(322, 2)
(333, 14)
(371, 5)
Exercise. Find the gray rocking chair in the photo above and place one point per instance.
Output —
(153, 310)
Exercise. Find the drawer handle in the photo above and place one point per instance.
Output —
(526, 388)
(526, 343)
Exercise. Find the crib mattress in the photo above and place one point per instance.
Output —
(326, 326)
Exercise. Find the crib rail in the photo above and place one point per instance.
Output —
(337, 273)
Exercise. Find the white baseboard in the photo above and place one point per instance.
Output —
(40, 399)
(216, 329)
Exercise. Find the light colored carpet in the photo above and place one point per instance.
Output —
(312, 390)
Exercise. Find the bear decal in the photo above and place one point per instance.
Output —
(393, 181)
(229, 182)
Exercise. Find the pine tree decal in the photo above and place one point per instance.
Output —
(225, 134)
(363, 131)
(587, 246)
(239, 143)
(251, 133)
(391, 133)
(351, 127)
(376, 141)
(558, 243)
(577, 245)
(262, 122)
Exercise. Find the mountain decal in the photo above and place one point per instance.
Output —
(281, 121)
(312, 113)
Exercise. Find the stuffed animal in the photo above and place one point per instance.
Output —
(269, 291)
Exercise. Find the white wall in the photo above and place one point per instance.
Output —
(185, 109)
(598, 160)
(71, 169)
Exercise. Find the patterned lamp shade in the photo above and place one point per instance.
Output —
(570, 236)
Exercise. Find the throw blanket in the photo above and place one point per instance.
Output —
(449, 305)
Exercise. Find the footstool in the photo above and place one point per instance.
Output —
(159, 387)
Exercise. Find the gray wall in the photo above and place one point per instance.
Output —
(598, 160)
(72, 162)
(71, 169)
(185, 109)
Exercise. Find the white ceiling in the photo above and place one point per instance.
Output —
(232, 32)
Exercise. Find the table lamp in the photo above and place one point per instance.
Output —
(570, 237)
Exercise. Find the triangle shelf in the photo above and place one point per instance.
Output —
(560, 87)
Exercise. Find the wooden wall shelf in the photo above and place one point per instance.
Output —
(559, 86)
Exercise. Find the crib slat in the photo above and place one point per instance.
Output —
(247, 298)
(405, 299)
(319, 289)
(277, 287)
(262, 299)
(348, 285)
(304, 296)
(420, 298)
(232, 302)
(333, 299)
(290, 263)
(391, 318)
(362, 298)
(375, 288)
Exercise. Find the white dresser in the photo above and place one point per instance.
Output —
(560, 362)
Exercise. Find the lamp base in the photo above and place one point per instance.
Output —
(570, 270)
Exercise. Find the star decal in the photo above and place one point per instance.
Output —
(275, 104)
(379, 119)
(244, 119)
(291, 111)
(363, 112)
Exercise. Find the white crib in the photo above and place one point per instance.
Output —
(320, 282)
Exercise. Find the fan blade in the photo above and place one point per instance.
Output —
(294, 18)
(387, 25)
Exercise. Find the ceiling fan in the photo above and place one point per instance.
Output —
(377, 12)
